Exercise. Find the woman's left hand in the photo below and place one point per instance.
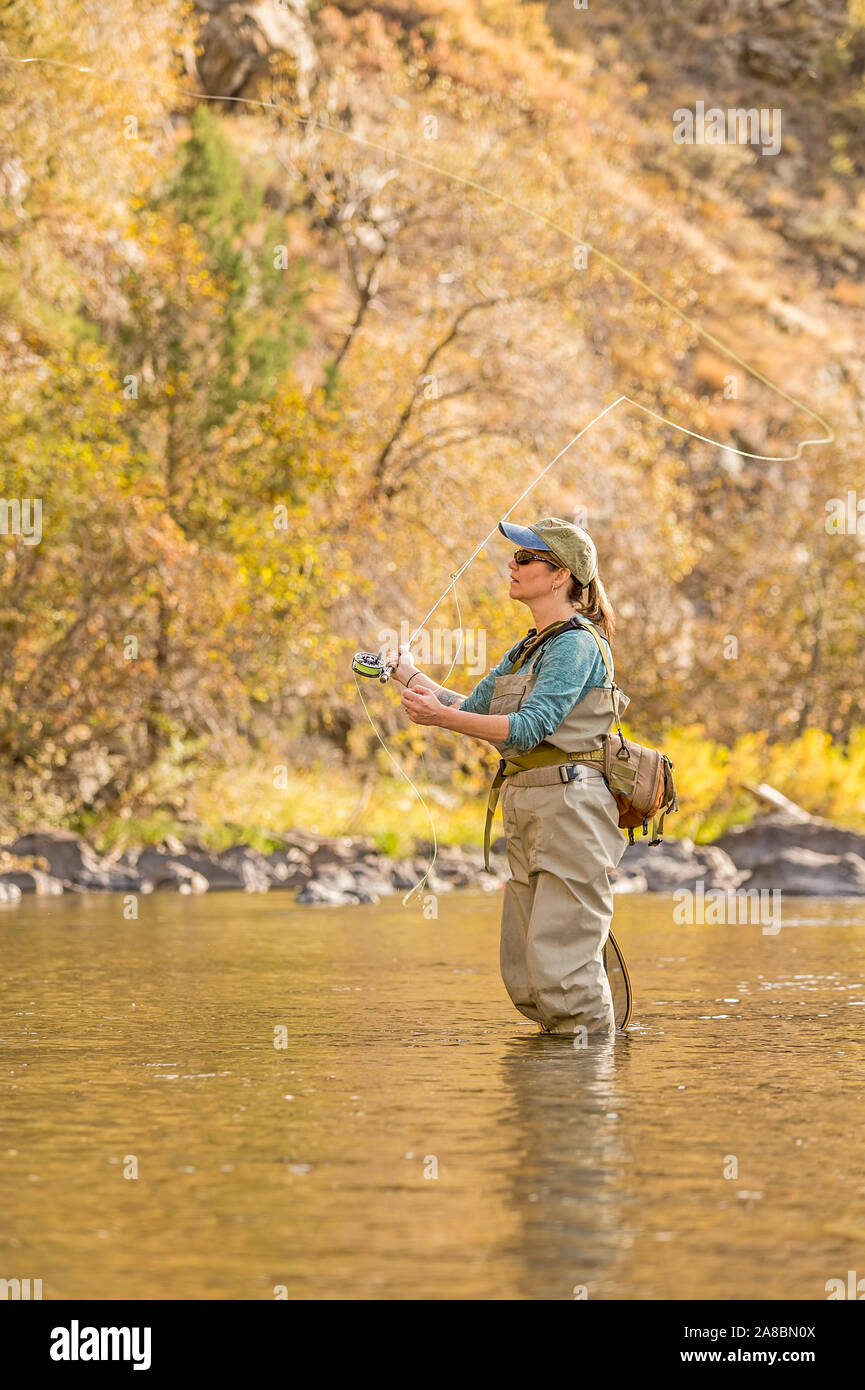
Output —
(422, 706)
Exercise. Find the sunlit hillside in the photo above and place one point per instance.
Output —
(275, 365)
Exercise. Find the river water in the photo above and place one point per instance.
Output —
(415, 1138)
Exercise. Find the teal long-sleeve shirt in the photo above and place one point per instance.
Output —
(567, 667)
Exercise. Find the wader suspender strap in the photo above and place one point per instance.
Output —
(492, 803)
(615, 688)
(529, 648)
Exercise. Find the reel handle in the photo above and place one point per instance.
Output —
(370, 664)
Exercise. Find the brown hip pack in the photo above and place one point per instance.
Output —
(641, 779)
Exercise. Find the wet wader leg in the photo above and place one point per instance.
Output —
(573, 838)
(565, 955)
(516, 915)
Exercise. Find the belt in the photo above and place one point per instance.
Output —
(540, 767)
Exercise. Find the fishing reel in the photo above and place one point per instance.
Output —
(372, 665)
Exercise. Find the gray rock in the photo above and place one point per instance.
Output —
(109, 880)
(250, 865)
(402, 875)
(144, 861)
(768, 835)
(237, 41)
(75, 863)
(634, 883)
(218, 877)
(305, 841)
(288, 868)
(9, 892)
(771, 60)
(172, 845)
(459, 866)
(344, 883)
(337, 876)
(459, 878)
(372, 881)
(325, 894)
(362, 894)
(237, 869)
(803, 872)
(65, 852)
(32, 881)
(676, 864)
(188, 881)
(456, 854)
(160, 870)
(291, 856)
(346, 849)
(435, 882)
(155, 866)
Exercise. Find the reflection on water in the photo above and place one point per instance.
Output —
(415, 1137)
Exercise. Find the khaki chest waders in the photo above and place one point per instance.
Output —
(561, 825)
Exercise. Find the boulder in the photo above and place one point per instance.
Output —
(336, 876)
(237, 40)
(402, 875)
(217, 877)
(9, 892)
(73, 861)
(66, 853)
(376, 882)
(191, 882)
(767, 836)
(288, 868)
(32, 881)
(172, 845)
(154, 865)
(458, 868)
(325, 894)
(305, 841)
(457, 877)
(363, 894)
(160, 870)
(634, 883)
(250, 865)
(346, 849)
(675, 864)
(771, 60)
(804, 872)
(239, 869)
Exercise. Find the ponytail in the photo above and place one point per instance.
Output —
(591, 601)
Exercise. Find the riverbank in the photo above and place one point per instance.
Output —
(784, 849)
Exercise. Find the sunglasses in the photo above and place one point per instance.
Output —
(528, 557)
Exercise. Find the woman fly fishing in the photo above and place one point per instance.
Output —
(546, 708)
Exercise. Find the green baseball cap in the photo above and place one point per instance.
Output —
(570, 545)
